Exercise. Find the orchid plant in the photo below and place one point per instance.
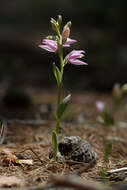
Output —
(108, 120)
(56, 44)
(108, 114)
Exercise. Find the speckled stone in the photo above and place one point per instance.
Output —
(76, 149)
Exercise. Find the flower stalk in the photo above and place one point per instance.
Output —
(59, 87)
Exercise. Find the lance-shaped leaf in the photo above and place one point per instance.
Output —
(55, 144)
(107, 117)
(57, 74)
(62, 106)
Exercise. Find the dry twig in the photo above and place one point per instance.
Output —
(84, 167)
(117, 170)
(117, 139)
(77, 183)
(42, 161)
(27, 122)
(3, 131)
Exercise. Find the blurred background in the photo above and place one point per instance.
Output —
(99, 27)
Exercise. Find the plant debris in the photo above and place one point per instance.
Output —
(10, 181)
(32, 143)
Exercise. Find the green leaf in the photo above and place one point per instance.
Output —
(108, 117)
(57, 74)
(62, 106)
(55, 144)
(107, 151)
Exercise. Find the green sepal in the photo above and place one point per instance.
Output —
(53, 22)
(67, 25)
(62, 106)
(55, 144)
(57, 74)
(59, 20)
(65, 60)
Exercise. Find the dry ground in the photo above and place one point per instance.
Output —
(32, 142)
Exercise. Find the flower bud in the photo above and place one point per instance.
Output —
(50, 37)
(53, 24)
(116, 92)
(68, 25)
(100, 106)
(124, 89)
(65, 34)
(59, 20)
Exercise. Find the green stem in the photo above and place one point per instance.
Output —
(58, 95)
(60, 52)
(57, 126)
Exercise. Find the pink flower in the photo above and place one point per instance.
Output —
(116, 92)
(100, 106)
(68, 42)
(49, 45)
(74, 55)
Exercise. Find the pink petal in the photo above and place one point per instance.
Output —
(100, 106)
(78, 51)
(50, 43)
(75, 55)
(77, 62)
(65, 45)
(70, 41)
(47, 48)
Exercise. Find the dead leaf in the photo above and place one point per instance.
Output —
(28, 162)
(9, 157)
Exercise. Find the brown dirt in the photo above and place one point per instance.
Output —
(34, 141)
